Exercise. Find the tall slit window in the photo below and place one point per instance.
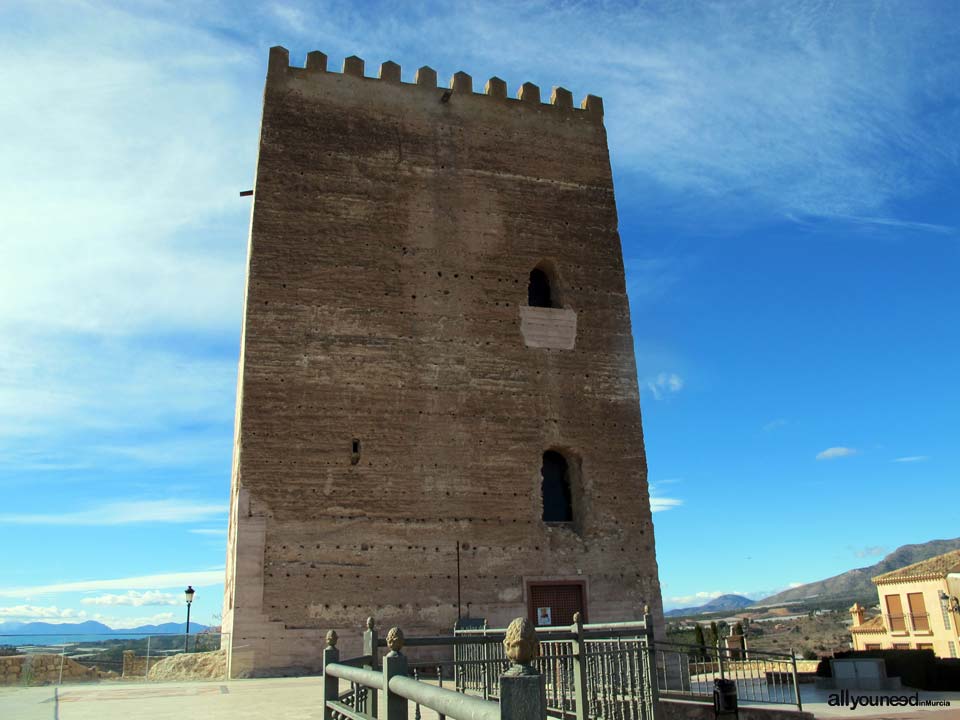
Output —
(557, 505)
(538, 291)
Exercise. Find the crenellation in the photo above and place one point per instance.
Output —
(353, 65)
(496, 88)
(593, 104)
(278, 62)
(316, 61)
(529, 92)
(561, 98)
(461, 82)
(426, 77)
(390, 72)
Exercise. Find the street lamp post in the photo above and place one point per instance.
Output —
(188, 594)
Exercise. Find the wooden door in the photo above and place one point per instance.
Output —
(555, 603)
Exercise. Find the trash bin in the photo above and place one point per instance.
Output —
(724, 697)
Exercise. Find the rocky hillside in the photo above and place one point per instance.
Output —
(855, 584)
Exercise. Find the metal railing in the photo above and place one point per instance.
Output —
(611, 671)
(920, 622)
(896, 623)
(68, 658)
(386, 694)
(591, 671)
(585, 672)
(689, 671)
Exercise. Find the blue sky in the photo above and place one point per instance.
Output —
(787, 179)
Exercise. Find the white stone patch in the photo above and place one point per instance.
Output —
(554, 328)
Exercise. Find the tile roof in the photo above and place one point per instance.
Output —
(930, 569)
(874, 624)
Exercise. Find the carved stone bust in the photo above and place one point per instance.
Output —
(331, 638)
(520, 645)
(395, 640)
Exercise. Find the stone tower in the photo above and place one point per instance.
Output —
(437, 409)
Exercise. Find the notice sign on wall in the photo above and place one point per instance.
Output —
(544, 616)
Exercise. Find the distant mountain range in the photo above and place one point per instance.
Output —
(718, 604)
(90, 627)
(855, 584)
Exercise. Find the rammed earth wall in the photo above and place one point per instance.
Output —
(396, 392)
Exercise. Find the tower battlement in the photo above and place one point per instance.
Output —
(528, 94)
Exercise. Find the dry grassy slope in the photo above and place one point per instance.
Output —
(856, 583)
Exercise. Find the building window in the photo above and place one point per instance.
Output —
(944, 608)
(895, 618)
(557, 495)
(918, 612)
(868, 646)
(901, 646)
(543, 290)
(953, 648)
(924, 646)
(538, 291)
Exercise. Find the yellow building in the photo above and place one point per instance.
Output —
(919, 609)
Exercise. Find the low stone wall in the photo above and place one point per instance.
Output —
(43, 669)
(688, 710)
(135, 666)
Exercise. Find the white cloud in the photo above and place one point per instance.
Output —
(215, 532)
(664, 382)
(50, 613)
(774, 424)
(871, 551)
(179, 580)
(121, 623)
(912, 459)
(698, 597)
(123, 513)
(133, 598)
(659, 504)
(835, 452)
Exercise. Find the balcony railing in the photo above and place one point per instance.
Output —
(920, 622)
(897, 623)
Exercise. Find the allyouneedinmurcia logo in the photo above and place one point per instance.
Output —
(853, 701)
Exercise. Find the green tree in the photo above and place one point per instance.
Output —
(700, 641)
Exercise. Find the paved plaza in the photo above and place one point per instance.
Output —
(294, 699)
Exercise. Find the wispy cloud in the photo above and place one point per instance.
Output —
(900, 224)
(215, 532)
(664, 383)
(774, 424)
(660, 504)
(123, 513)
(197, 578)
(870, 551)
(833, 453)
(912, 459)
(133, 598)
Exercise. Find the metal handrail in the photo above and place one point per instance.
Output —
(444, 702)
(784, 657)
(368, 678)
